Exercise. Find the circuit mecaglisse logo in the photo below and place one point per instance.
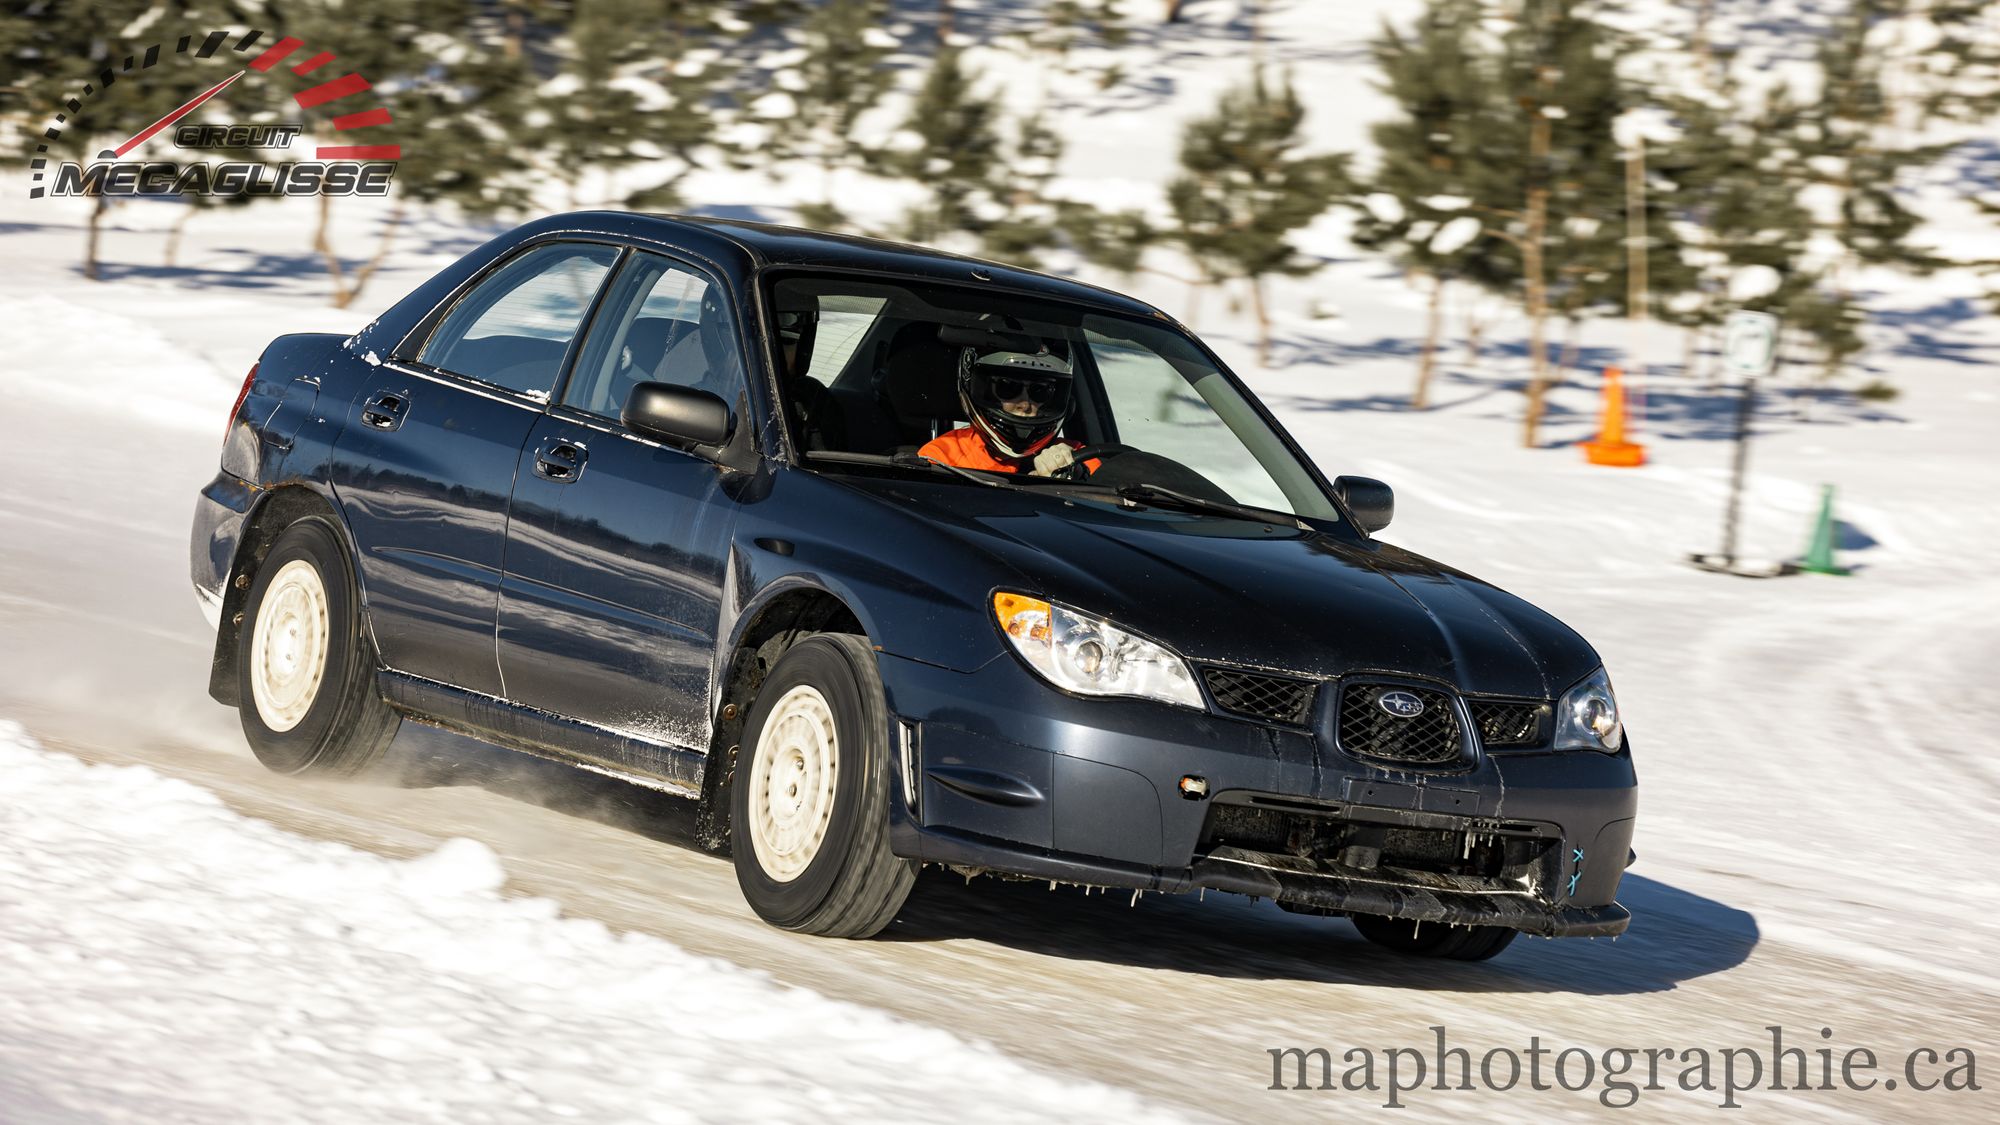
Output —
(346, 169)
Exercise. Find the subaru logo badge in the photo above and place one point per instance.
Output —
(1401, 704)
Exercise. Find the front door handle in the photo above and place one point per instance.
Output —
(560, 460)
(385, 410)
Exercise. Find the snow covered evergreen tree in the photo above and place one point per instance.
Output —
(956, 145)
(843, 74)
(1416, 207)
(1547, 169)
(1245, 188)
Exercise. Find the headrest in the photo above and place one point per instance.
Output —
(646, 341)
(920, 374)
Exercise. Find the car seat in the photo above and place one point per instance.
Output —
(646, 342)
(918, 385)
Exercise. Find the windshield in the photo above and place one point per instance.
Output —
(994, 382)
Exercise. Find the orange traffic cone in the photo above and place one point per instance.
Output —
(1610, 447)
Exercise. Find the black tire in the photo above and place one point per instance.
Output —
(1434, 939)
(851, 885)
(345, 726)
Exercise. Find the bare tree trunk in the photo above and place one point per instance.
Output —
(1475, 338)
(1704, 55)
(1427, 361)
(1537, 287)
(97, 209)
(323, 243)
(367, 271)
(1636, 281)
(1263, 321)
(1174, 11)
(517, 29)
(1568, 359)
(173, 250)
(946, 24)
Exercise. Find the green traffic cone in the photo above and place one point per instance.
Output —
(1819, 553)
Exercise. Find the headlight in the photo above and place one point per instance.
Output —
(1091, 656)
(1587, 717)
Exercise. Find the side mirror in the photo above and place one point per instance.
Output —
(1372, 502)
(678, 415)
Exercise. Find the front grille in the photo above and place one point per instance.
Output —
(1431, 737)
(1274, 699)
(1508, 723)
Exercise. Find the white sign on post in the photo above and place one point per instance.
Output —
(1750, 343)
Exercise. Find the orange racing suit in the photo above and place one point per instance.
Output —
(964, 448)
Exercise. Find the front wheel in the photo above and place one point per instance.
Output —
(1434, 939)
(809, 810)
(305, 671)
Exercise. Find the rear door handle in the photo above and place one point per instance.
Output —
(385, 410)
(560, 460)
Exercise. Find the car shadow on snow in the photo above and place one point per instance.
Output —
(1676, 935)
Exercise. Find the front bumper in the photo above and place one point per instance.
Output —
(1003, 773)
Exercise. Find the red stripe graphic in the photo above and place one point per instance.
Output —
(358, 152)
(376, 116)
(176, 115)
(277, 53)
(314, 63)
(329, 91)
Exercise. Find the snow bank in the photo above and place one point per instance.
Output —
(163, 958)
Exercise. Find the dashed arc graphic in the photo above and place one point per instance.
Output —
(361, 147)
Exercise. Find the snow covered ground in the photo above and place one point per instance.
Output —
(168, 959)
(474, 937)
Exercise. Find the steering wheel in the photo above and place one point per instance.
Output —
(1077, 470)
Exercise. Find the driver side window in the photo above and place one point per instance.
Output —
(663, 323)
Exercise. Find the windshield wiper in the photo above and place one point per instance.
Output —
(908, 461)
(1160, 497)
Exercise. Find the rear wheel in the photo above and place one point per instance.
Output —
(809, 810)
(305, 670)
(1434, 939)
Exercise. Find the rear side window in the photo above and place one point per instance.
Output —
(514, 328)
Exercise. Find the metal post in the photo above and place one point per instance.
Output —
(1745, 406)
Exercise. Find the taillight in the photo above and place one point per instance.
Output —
(238, 405)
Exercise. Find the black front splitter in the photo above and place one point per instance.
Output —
(1418, 896)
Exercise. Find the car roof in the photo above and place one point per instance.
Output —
(768, 244)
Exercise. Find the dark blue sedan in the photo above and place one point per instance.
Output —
(889, 557)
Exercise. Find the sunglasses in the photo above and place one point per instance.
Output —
(1041, 392)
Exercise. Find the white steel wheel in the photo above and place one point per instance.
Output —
(288, 646)
(793, 776)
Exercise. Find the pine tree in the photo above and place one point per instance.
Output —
(1417, 202)
(957, 144)
(1546, 167)
(1244, 189)
(1729, 186)
(586, 117)
(843, 75)
(685, 41)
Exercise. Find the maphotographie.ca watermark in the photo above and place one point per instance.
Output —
(1622, 1075)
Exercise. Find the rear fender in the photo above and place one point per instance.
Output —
(282, 399)
(274, 511)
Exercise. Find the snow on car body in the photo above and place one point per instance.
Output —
(639, 493)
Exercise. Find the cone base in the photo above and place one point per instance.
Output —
(1619, 454)
(1742, 568)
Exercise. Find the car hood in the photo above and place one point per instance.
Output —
(1320, 603)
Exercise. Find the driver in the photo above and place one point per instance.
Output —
(1017, 401)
